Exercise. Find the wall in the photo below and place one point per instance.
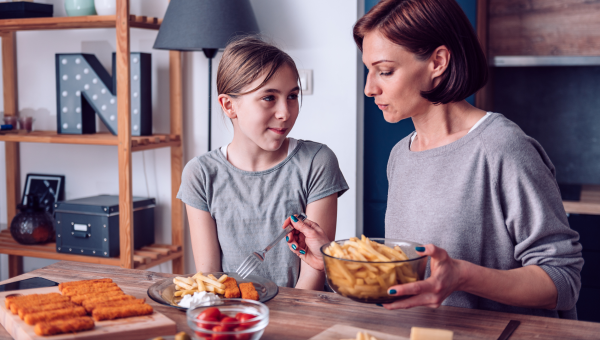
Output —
(320, 40)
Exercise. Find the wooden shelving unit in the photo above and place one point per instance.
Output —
(125, 143)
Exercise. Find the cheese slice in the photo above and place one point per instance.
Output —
(419, 333)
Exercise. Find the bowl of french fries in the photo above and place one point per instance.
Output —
(363, 269)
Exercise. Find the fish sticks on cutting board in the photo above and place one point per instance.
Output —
(84, 326)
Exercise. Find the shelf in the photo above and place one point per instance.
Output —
(138, 143)
(90, 21)
(524, 61)
(588, 204)
(143, 258)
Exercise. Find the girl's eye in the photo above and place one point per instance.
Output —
(385, 73)
(269, 98)
(293, 96)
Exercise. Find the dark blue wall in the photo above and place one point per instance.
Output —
(380, 138)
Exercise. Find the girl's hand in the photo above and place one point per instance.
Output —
(306, 241)
(446, 277)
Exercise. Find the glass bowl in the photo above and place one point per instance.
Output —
(369, 281)
(203, 329)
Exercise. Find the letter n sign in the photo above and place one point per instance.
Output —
(84, 88)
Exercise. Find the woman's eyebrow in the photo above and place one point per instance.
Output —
(381, 61)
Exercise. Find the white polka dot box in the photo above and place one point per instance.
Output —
(84, 88)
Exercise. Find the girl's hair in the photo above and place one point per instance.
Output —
(421, 26)
(244, 60)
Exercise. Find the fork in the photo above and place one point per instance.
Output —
(257, 258)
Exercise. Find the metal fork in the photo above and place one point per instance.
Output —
(257, 258)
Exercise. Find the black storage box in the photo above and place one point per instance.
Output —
(22, 9)
(90, 226)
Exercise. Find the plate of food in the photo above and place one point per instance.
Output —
(171, 292)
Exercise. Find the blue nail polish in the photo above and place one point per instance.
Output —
(378, 304)
(392, 292)
(294, 246)
(287, 239)
(294, 219)
(420, 249)
(302, 252)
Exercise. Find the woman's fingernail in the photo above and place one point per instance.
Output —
(420, 249)
(287, 239)
(378, 304)
(294, 246)
(392, 292)
(294, 219)
(302, 252)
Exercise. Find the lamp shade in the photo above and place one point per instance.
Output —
(194, 25)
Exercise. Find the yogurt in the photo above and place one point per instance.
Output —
(191, 301)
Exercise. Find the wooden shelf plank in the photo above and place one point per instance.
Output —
(582, 208)
(588, 204)
(102, 138)
(142, 259)
(91, 21)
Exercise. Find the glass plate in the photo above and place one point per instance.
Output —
(163, 291)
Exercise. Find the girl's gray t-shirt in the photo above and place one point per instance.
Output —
(249, 208)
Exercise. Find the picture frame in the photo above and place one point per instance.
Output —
(51, 189)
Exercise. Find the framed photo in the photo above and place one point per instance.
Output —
(49, 188)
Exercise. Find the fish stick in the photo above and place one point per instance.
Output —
(111, 313)
(248, 291)
(89, 308)
(78, 299)
(45, 307)
(231, 288)
(41, 300)
(67, 313)
(17, 298)
(102, 299)
(90, 290)
(80, 289)
(82, 282)
(64, 326)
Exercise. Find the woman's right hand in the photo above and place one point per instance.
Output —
(306, 241)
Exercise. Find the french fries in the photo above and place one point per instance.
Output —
(199, 283)
(367, 280)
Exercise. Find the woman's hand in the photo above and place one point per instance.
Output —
(306, 240)
(446, 277)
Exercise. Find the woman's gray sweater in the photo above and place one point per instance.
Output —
(490, 198)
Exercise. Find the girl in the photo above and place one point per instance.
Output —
(237, 196)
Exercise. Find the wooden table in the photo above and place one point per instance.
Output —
(301, 314)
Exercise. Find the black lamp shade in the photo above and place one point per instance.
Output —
(194, 25)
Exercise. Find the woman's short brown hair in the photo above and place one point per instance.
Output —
(247, 58)
(421, 26)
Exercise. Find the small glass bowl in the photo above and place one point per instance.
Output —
(230, 307)
(375, 291)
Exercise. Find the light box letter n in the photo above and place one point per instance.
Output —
(84, 88)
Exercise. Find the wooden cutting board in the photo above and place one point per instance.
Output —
(338, 332)
(139, 327)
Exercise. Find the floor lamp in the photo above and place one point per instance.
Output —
(205, 25)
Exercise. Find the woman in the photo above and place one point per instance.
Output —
(469, 184)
